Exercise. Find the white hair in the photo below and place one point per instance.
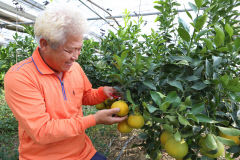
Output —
(57, 22)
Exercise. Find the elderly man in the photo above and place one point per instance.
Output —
(47, 90)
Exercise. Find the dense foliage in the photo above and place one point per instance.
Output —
(21, 48)
(183, 77)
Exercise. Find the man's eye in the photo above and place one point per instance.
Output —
(67, 51)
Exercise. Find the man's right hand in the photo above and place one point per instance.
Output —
(106, 116)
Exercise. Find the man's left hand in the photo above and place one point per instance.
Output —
(110, 92)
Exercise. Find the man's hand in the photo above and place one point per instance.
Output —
(106, 116)
(110, 92)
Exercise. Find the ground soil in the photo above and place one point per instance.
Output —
(129, 152)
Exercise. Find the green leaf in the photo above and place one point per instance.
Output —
(193, 6)
(156, 97)
(176, 84)
(184, 34)
(118, 60)
(177, 136)
(200, 21)
(216, 61)
(233, 85)
(189, 15)
(205, 119)
(149, 84)
(183, 121)
(198, 71)
(188, 101)
(197, 108)
(201, 33)
(209, 8)
(219, 37)
(210, 143)
(223, 49)
(172, 97)
(199, 86)
(124, 55)
(237, 43)
(129, 97)
(183, 24)
(198, 3)
(182, 107)
(208, 42)
(229, 131)
(161, 95)
(182, 62)
(235, 97)
(192, 78)
(229, 29)
(168, 128)
(224, 80)
(171, 118)
(208, 67)
(180, 58)
(164, 106)
(151, 108)
(226, 141)
(191, 116)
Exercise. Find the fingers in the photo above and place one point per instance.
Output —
(113, 111)
(109, 91)
(106, 116)
(119, 119)
(116, 119)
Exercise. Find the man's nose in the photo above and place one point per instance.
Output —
(76, 54)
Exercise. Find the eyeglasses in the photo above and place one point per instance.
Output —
(72, 51)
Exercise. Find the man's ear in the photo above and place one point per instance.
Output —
(43, 44)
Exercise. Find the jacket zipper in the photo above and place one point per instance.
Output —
(63, 89)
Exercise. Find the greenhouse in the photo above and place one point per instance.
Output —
(119, 80)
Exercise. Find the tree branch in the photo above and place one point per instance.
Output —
(125, 145)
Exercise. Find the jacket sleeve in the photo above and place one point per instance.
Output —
(28, 106)
(91, 96)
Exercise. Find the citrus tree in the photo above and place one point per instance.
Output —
(21, 48)
(183, 78)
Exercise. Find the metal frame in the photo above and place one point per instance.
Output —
(9, 8)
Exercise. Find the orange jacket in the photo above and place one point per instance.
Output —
(49, 110)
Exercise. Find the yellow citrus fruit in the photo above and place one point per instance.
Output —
(100, 106)
(123, 127)
(123, 107)
(220, 151)
(233, 138)
(164, 137)
(136, 121)
(176, 149)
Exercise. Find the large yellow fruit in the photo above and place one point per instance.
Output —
(123, 127)
(234, 138)
(136, 121)
(164, 137)
(220, 151)
(100, 106)
(176, 149)
(123, 107)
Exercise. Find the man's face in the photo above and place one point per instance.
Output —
(62, 58)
